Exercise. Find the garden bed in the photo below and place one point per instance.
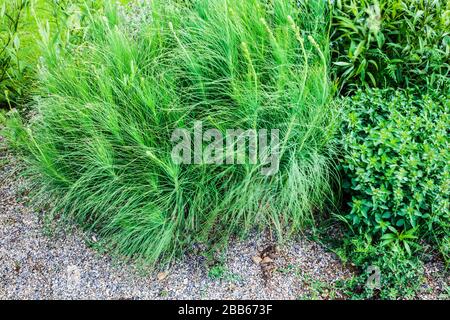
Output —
(38, 263)
(225, 149)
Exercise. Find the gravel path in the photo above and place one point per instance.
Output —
(35, 265)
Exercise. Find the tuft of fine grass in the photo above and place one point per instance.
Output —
(100, 144)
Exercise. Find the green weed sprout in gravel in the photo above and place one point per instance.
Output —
(100, 144)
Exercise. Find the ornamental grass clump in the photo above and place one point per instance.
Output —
(101, 144)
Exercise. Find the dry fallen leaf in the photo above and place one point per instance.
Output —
(266, 260)
(162, 275)
(257, 259)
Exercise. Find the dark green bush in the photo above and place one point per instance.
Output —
(13, 68)
(396, 166)
(398, 43)
(399, 275)
(23, 23)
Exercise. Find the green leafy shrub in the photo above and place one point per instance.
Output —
(22, 24)
(13, 76)
(398, 275)
(398, 43)
(100, 143)
(396, 166)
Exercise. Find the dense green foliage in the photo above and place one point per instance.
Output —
(398, 43)
(394, 140)
(22, 25)
(100, 144)
(114, 82)
(397, 165)
(400, 275)
(13, 77)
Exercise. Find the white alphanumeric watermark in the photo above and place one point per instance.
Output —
(236, 146)
(73, 277)
(374, 278)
